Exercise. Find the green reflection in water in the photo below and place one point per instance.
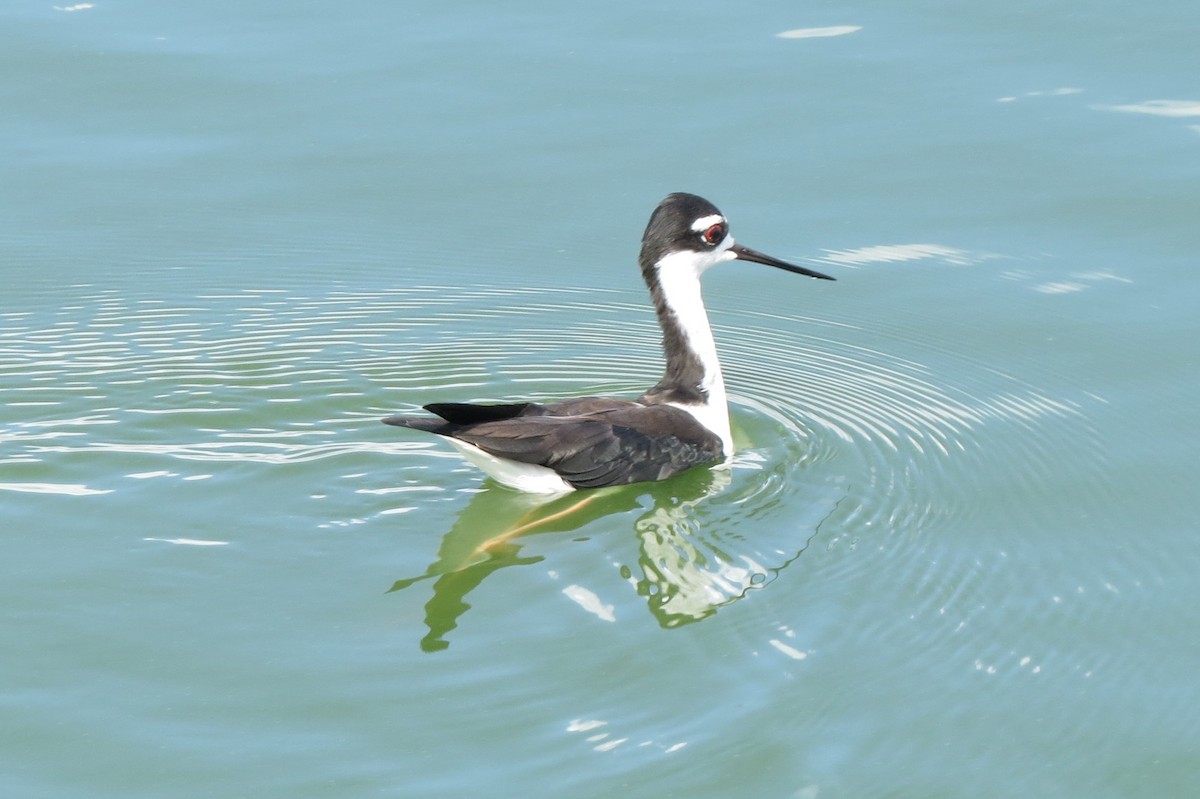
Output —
(684, 574)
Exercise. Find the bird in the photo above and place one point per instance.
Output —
(594, 442)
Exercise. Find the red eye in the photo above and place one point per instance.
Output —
(714, 234)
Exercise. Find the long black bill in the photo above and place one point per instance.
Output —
(747, 254)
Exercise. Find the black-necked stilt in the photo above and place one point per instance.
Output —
(590, 442)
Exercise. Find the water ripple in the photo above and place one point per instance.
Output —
(835, 432)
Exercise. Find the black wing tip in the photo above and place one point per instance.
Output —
(467, 413)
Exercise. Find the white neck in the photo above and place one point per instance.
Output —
(679, 279)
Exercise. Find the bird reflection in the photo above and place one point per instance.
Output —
(484, 539)
(683, 576)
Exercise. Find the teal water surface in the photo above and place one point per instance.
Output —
(954, 555)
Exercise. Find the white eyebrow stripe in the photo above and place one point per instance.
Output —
(706, 222)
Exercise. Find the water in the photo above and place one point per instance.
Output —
(954, 555)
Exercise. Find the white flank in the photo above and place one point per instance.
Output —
(527, 477)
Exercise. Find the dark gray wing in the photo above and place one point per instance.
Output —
(629, 444)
